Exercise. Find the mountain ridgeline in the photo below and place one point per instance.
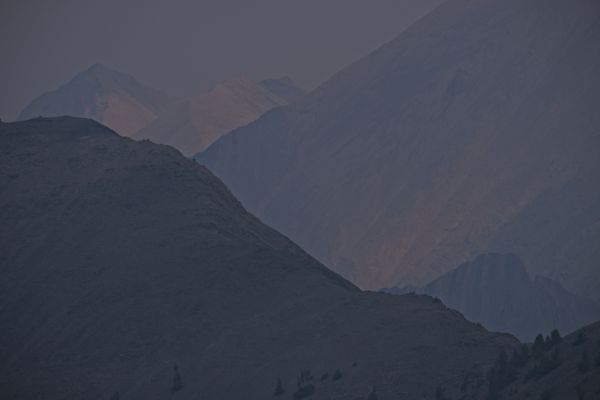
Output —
(189, 124)
(130, 271)
(474, 131)
(496, 291)
(113, 98)
(195, 123)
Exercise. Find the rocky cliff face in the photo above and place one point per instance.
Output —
(474, 131)
(108, 96)
(496, 291)
(122, 258)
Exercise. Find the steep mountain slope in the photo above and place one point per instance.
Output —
(197, 122)
(122, 258)
(496, 291)
(108, 96)
(562, 372)
(476, 130)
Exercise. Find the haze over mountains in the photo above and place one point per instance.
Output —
(190, 125)
(123, 258)
(496, 291)
(108, 96)
(474, 131)
(131, 271)
(195, 123)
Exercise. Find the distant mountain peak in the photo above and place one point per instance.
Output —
(285, 87)
(197, 122)
(119, 101)
(496, 290)
(496, 263)
(97, 75)
(99, 67)
(238, 86)
(108, 96)
(470, 131)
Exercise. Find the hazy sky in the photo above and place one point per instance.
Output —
(182, 46)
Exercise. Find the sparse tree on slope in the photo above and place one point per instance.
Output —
(584, 363)
(278, 388)
(373, 394)
(177, 383)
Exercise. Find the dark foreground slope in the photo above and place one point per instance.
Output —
(567, 370)
(120, 259)
(476, 130)
(496, 291)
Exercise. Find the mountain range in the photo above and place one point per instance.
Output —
(195, 123)
(474, 131)
(110, 97)
(130, 271)
(497, 291)
(189, 124)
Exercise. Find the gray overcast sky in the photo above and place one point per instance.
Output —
(182, 46)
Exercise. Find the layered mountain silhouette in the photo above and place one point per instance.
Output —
(130, 271)
(474, 131)
(120, 102)
(115, 99)
(496, 291)
(195, 123)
